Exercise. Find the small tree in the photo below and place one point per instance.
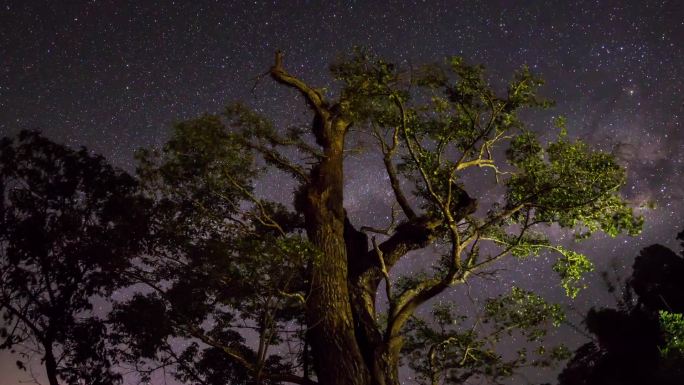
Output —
(67, 221)
(303, 281)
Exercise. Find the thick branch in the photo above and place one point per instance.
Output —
(410, 300)
(408, 236)
(295, 142)
(312, 96)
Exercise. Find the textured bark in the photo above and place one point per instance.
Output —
(337, 356)
(368, 335)
(336, 353)
(380, 352)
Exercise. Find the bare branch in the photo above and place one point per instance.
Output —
(388, 152)
(383, 268)
(313, 97)
(265, 219)
(396, 186)
(386, 231)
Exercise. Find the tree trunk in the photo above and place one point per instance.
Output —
(337, 356)
(383, 369)
(50, 365)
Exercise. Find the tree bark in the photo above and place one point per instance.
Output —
(50, 365)
(337, 357)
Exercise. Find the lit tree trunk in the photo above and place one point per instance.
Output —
(337, 356)
(347, 347)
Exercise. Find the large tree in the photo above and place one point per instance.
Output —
(268, 293)
(67, 221)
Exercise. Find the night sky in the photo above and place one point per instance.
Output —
(114, 76)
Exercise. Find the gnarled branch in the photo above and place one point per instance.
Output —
(313, 97)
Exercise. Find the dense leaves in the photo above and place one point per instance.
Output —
(223, 260)
(568, 184)
(70, 224)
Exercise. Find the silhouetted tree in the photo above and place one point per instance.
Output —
(264, 293)
(68, 220)
(631, 342)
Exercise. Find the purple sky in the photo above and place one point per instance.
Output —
(113, 76)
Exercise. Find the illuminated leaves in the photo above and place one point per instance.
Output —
(570, 267)
(569, 184)
(672, 325)
(523, 311)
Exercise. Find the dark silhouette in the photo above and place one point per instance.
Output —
(627, 349)
(68, 220)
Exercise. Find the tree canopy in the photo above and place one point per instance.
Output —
(68, 221)
(292, 292)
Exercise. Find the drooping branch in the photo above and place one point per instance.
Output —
(277, 159)
(22, 316)
(239, 358)
(294, 140)
(383, 269)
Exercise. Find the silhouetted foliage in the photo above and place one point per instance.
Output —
(68, 223)
(633, 344)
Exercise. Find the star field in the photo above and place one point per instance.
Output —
(114, 76)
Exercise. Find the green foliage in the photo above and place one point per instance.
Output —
(203, 168)
(568, 184)
(672, 325)
(368, 87)
(220, 260)
(523, 311)
(528, 244)
(570, 267)
(639, 341)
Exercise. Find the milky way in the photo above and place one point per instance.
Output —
(114, 76)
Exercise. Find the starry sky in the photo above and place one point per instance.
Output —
(114, 75)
